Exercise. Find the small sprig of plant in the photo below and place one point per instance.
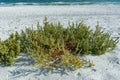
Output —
(9, 49)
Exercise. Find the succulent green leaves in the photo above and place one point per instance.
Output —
(54, 45)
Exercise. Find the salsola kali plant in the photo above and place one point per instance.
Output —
(53, 45)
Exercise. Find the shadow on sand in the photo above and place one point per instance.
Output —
(24, 66)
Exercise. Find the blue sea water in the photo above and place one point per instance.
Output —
(62, 2)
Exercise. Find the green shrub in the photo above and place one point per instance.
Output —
(54, 45)
(9, 49)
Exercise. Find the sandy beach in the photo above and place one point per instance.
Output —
(17, 18)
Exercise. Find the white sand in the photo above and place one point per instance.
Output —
(16, 18)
